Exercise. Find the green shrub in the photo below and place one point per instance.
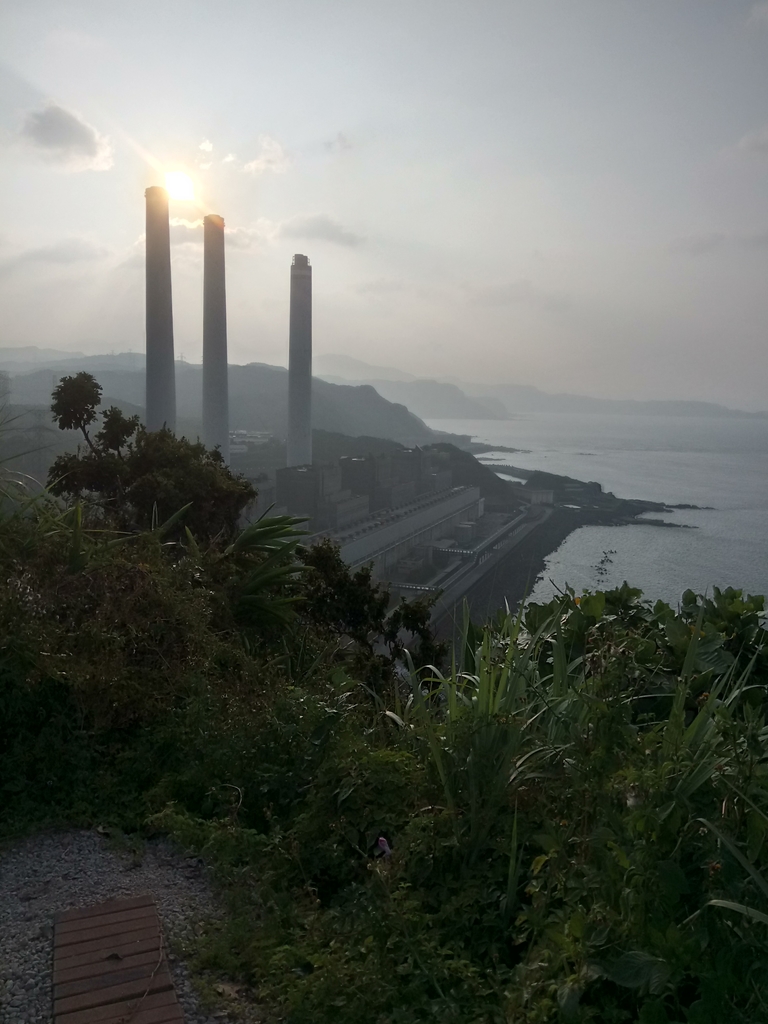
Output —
(569, 824)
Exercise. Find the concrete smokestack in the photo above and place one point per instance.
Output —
(300, 364)
(215, 380)
(161, 378)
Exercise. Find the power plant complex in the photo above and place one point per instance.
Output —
(160, 366)
(402, 512)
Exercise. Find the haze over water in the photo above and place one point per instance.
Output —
(679, 460)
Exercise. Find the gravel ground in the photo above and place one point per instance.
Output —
(57, 871)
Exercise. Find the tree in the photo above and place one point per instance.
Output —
(171, 472)
(74, 402)
(128, 472)
(349, 603)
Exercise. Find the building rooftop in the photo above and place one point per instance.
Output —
(385, 517)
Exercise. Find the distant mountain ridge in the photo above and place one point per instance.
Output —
(433, 399)
(511, 399)
(337, 365)
(523, 398)
(421, 397)
(258, 398)
(30, 358)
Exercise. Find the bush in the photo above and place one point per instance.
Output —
(557, 851)
(568, 825)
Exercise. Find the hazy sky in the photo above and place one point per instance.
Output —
(566, 193)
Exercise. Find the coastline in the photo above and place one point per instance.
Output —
(514, 576)
(711, 476)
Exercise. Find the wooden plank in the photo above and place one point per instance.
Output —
(110, 966)
(125, 990)
(103, 908)
(105, 931)
(103, 953)
(114, 944)
(94, 982)
(113, 1012)
(97, 968)
(75, 925)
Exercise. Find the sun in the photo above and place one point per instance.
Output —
(180, 186)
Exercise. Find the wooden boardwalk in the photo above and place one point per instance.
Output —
(109, 966)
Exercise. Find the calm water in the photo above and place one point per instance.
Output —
(698, 461)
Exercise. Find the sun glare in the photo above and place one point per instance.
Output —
(179, 185)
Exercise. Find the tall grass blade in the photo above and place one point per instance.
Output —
(740, 908)
(755, 875)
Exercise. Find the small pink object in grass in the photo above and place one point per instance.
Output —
(384, 847)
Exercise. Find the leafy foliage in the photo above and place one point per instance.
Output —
(74, 402)
(567, 822)
(351, 607)
(132, 476)
(577, 830)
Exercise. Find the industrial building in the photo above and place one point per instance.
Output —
(336, 495)
(408, 533)
(398, 511)
(317, 493)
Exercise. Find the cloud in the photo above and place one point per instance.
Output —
(517, 292)
(755, 142)
(321, 227)
(338, 144)
(263, 232)
(186, 231)
(758, 15)
(66, 251)
(66, 138)
(249, 238)
(229, 158)
(189, 233)
(206, 146)
(272, 158)
(698, 245)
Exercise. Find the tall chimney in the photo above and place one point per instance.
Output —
(300, 364)
(161, 379)
(215, 381)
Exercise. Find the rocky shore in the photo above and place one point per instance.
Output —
(577, 503)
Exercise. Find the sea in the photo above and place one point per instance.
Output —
(720, 462)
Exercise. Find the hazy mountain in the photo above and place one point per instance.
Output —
(511, 399)
(28, 357)
(429, 399)
(519, 398)
(258, 396)
(432, 399)
(351, 369)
